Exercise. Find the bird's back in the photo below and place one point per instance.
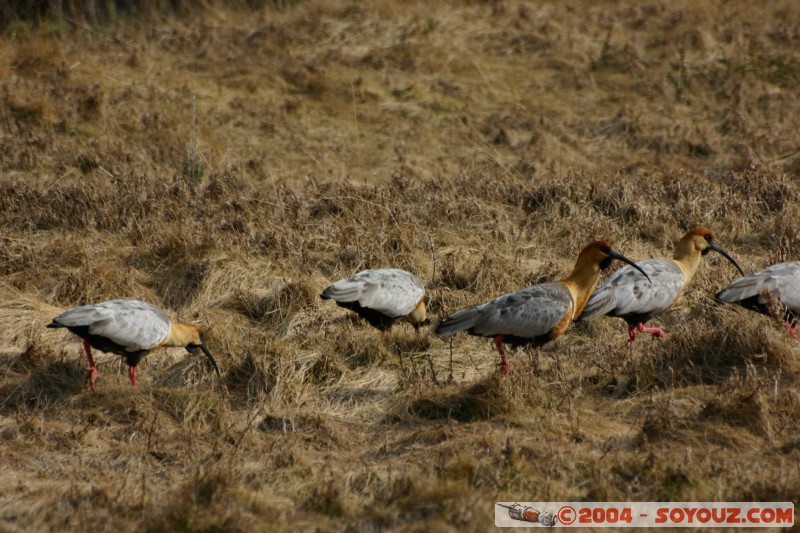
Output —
(628, 294)
(749, 291)
(389, 291)
(132, 325)
(527, 315)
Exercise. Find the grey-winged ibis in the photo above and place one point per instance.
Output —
(130, 328)
(382, 296)
(627, 295)
(537, 314)
(773, 291)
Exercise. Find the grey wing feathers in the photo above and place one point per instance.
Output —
(627, 292)
(783, 278)
(390, 291)
(528, 313)
(134, 324)
(463, 320)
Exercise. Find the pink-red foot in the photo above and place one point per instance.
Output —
(790, 330)
(92, 378)
(504, 366)
(656, 332)
(87, 347)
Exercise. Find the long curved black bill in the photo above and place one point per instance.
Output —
(717, 248)
(210, 358)
(616, 255)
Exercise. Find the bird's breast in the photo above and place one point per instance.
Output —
(561, 326)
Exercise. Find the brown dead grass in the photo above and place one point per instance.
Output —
(479, 145)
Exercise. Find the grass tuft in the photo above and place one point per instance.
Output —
(331, 136)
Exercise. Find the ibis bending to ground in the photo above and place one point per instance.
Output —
(130, 328)
(382, 296)
(627, 295)
(537, 314)
(775, 291)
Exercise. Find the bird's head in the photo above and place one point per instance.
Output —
(702, 240)
(193, 337)
(602, 254)
(195, 340)
(419, 316)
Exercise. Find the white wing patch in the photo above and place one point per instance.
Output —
(627, 291)
(390, 291)
(783, 278)
(134, 324)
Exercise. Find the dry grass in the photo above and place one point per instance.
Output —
(479, 145)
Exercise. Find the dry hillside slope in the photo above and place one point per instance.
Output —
(227, 163)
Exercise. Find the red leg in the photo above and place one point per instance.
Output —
(656, 332)
(498, 341)
(132, 375)
(631, 334)
(790, 329)
(87, 347)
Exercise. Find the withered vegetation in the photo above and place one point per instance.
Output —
(229, 161)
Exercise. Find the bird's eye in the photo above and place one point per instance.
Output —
(708, 237)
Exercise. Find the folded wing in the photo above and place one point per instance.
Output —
(783, 279)
(133, 324)
(628, 293)
(528, 313)
(392, 292)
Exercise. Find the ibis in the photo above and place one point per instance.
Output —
(537, 314)
(626, 293)
(382, 296)
(773, 291)
(130, 328)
